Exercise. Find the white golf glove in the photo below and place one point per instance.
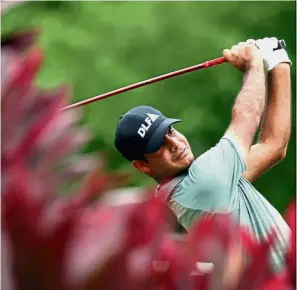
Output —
(271, 57)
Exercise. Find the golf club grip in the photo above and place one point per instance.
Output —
(220, 60)
(213, 62)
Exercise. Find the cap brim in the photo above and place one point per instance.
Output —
(157, 139)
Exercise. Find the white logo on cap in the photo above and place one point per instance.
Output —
(148, 122)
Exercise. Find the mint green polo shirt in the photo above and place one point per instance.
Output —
(214, 184)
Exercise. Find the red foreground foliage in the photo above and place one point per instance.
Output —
(51, 242)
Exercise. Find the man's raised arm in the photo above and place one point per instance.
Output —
(250, 102)
(276, 126)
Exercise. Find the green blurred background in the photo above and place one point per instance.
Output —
(95, 47)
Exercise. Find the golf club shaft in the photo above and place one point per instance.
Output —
(206, 64)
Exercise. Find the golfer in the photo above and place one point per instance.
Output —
(219, 180)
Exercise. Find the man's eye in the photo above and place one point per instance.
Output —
(170, 131)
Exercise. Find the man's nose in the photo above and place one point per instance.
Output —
(171, 143)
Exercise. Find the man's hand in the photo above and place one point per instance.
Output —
(270, 56)
(243, 56)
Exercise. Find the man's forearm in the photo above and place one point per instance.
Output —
(248, 108)
(276, 126)
(250, 101)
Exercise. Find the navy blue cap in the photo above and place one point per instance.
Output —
(140, 131)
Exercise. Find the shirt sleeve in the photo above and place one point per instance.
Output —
(212, 181)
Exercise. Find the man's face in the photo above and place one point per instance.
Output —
(173, 157)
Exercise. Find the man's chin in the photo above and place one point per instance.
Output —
(188, 161)
(184, 166)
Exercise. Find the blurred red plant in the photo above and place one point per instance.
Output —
(51, 242)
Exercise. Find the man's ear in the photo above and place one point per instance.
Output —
(141, 165)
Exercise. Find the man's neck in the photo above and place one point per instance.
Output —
(166, 179)
(163, 181)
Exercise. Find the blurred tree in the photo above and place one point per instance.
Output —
(99, 46)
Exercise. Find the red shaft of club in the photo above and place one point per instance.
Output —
(206, 64)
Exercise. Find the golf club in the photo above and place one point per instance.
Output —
(206, 64)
